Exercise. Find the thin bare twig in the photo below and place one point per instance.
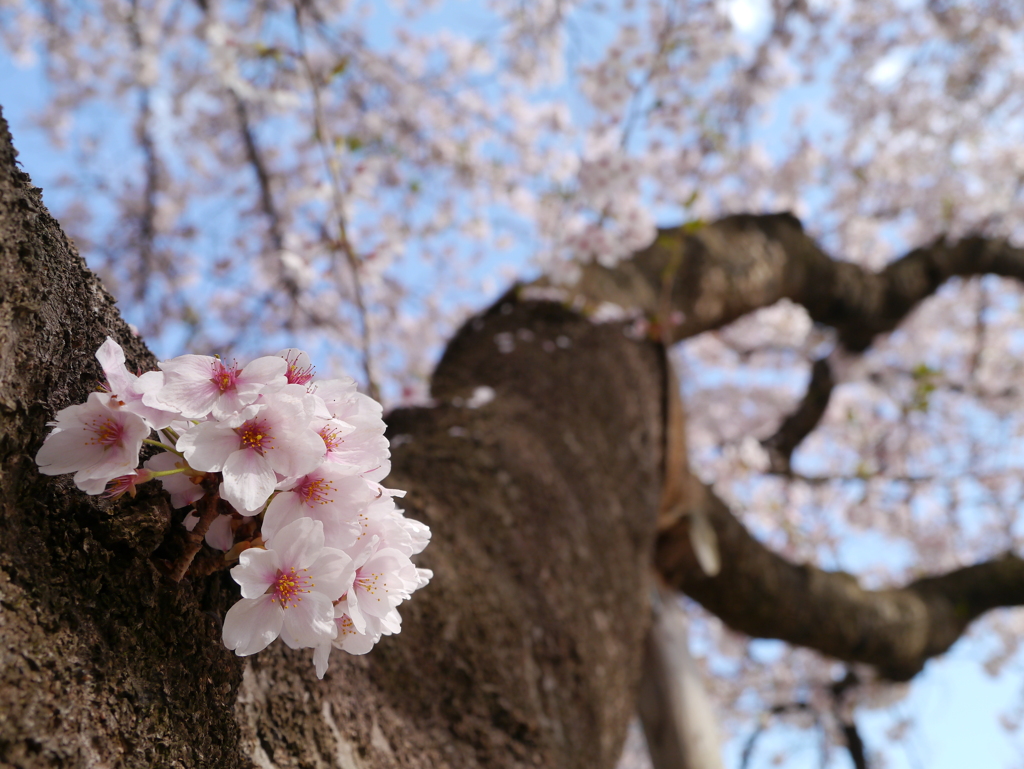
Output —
(803, 420)
(194, 539)
(325, 141)
(854, 742)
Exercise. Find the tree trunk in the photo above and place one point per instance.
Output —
(525, 649)
(549, 505)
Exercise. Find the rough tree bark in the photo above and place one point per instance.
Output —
(526, 649)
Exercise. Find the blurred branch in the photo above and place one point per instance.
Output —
(803, 420)
(259, 167)
(144, 135)
(739, 264)
(759, 593)
(854, 742)
(775, 710)
(326, 141)
(699, 277)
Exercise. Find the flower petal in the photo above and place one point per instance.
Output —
(208, 445)
(332, 573)
(248, 480)
(252, 624)
(309, 622)
(321, 658)
(255, 572)
(299, 543)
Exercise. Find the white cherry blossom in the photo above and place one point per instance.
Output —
(130, 389)
(262, 429)
(361, 450)
(97, 441)
(251, 447)
(348, 639)
(382, 519)
(196, 385)
(384, 577)
(329, 495)
(288, 589)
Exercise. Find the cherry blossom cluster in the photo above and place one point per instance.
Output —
(284, 472)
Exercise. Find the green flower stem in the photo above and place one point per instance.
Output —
(164, 446)
(161, 473)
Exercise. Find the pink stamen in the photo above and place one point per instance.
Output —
(106, 433)
(288, 585)
(255, 435)
(225, 378)
(126, 484)
(296, 375)
(315, 491)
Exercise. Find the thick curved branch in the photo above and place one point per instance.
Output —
(721, 271)
(694, 279)
(763, 595)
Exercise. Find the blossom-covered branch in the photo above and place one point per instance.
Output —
(897, 630)
(697, 278)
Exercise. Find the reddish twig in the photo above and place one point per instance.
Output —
(194, 539)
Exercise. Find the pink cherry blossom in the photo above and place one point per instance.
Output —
(383, 520)
(197, 385)
(126, 484)
(288, 589)
(364, 451)
(300, 369)
(348, 639)
(329, 495)
(130, 389)
(97, 440)
(251, 447)
(384, 578)
(305, 587)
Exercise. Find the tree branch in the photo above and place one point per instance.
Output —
(694, 279)
(759, 593)
(775, 710)
(721, 271)
(724, 270)
(259, 167)
(803, 420)
(851, 735)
